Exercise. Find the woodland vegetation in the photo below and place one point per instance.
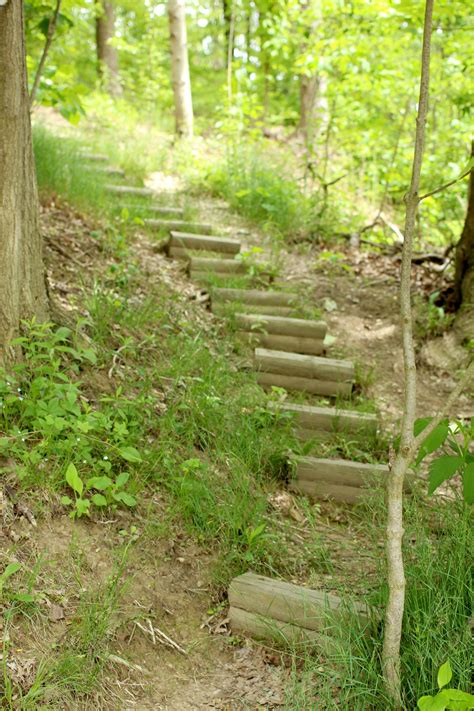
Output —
(335, 138)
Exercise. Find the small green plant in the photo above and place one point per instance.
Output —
(454, 438)
(452, 699)
(106, 491)
(431, 320)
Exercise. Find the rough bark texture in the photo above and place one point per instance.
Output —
(180, 68)
(107, 55)
(22, 284)
(395, 567)
(464, 275)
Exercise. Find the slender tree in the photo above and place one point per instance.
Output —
(464, 263)
(47, 45)
(180, 68)
(107, 55)
(22, 283)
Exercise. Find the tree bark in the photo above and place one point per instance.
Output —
(107, 55)
(464, 268)
(49, 39)
(22, 283)
(180, 68)
(404, 456)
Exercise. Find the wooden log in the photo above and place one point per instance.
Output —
(329, 492)
(341, 471)
(290, 344)
(312, 420)
(312, 386)
(183, 253)
(185, 240)
(177, 212)
(181, 225)
(94, 157)
(129, 190)
(254, 297)
(265, 628)
(206, 264)
(108, 170)
(298, 327)
(262, 309)
(275, 599)
(304, 366)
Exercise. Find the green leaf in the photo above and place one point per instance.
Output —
(441, 469)
(99, 482)
(82, 506)
(130, 454)
(24, 597)
(445, 674)
(99, 500)
(434, 440)
(462, 696)
(10, 570)
(74, 480)
(66, 500)
(125, 498)
(122, 479)
(468, 483)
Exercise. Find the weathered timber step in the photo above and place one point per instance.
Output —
(273, 609)
(204, 265)
(185, 241)
(181, 225)
(94, 157)
(311, 374)
(185, 253)
(254, 297)
(282, 326)
(312, 421)
(107, 170)
(294, 335)
(337, 479)
(177, 212)
(129, 190)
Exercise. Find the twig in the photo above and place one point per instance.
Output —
(446, 185)
(115, 359)
(170, 641)
(152, 631)
(123, 662)
(162, 637)
(49, 38)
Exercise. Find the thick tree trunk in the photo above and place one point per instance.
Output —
(309, 86)
(22, 284)
(180, 68)
(107, 55)
(464, 274)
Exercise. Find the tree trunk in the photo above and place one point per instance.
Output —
(309, 86)
(107, 55)
(464, 265)
(22, 284)
(47, 45)
(229, 40)
(180, 68)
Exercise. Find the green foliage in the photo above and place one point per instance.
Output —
(430, 320)
(446, 698)
(455, 440)
(50, 427)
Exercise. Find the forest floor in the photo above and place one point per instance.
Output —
(168, 576)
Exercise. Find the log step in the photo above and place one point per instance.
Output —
(183, 253)
(177, 212)
(267, 608)
(311, 374)
(108, 170)
(129, 190)
(187, 241)
(297, 327)
(338, 479)
(181, 225)
(312, 421)
(220, 308)
(254, 297)
(94, 157)
(290, 344)
(204, 265)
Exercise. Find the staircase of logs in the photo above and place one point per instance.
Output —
(288, 353)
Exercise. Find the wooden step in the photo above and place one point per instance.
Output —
(204, 265)
(177, 212)
(94, 157)
(290, 344)
(312, 421)
(188, 241)
(297, 327)
(311, 374)
(338, 479)
(129, 190)
(180, 225)
(254, 297)
(267, 608)
(262, 309)
(183, 253)
(108, 170)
